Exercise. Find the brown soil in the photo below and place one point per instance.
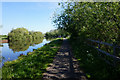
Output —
(64, 66)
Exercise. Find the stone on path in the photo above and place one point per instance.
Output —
(64, 66)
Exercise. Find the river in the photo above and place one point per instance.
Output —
(10, 53)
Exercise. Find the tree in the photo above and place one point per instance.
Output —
(20, 39)
(56, 33)
(95, 20)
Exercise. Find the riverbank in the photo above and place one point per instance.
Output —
(4, 41)
(33, 64)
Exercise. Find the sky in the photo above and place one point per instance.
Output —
(34, 16)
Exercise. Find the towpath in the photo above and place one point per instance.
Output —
(64, 66)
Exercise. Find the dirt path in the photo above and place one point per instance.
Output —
(64, 66)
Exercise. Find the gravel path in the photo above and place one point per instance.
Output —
(64, 66)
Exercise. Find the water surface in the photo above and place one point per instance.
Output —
(11, 51)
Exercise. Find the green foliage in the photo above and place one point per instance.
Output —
(36, 35)
(19, 34)
(19, 45)
(33, 64)
(94, 67)
(56, 33)
(98, 20)
(95, 20)
(22, 34)
(20, 39)
(3, 37)
(23, 45)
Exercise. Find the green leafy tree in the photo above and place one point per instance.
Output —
(19, 34)
(95, 20)
(56, 33)
(20, 39)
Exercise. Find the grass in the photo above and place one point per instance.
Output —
(51, 39)
(94, 67)
(32, 65)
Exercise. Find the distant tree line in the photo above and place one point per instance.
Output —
(22, 34)
(57, 33)
(3, 37)
(20, 39)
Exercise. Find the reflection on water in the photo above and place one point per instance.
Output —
(23, 45)
(11, 50)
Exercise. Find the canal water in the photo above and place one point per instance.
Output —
(10, 53)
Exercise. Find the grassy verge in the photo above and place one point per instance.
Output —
(51, 39)
(94, 67)
(33, 64)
